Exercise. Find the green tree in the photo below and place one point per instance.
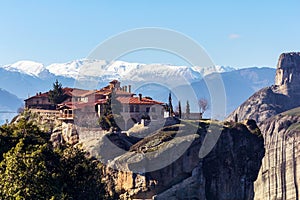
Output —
(56, 95)
(171, 111)
(11, 134)
(80, 177)
(24, 173)
(32, 169)
(179, 109)
(187, 110)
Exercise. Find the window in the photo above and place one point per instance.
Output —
(37, 102)
(131, 108)
(125, 108)
(137, 108)
(147, 109)
(153, 109)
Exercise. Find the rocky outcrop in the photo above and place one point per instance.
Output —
(46, 120)
(275, 99)
(66, 133)
(166, 165)
(288, 74)
(279, 177)
(262, 105)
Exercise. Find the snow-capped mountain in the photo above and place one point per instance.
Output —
(116, 69)
(26, 67)
(32, 77)
(26, 78)
(212, 69)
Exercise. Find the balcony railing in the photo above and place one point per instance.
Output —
(65, 116)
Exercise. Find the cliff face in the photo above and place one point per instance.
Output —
(279, 175)
(288, 74)
(227, 172)
(275, 99)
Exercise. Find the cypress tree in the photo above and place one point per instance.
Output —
(170, 105)
(187, 110)
(179, 109)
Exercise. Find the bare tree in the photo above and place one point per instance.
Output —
(203, 104)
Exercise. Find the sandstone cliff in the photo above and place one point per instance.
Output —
(275, 99)
(279, 175)
(288, 74)
(227, 172)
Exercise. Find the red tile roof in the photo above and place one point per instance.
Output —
(67, 91)
(76, 105)
(123, 96)
(136, 100)
(46, 94)
(132, 100)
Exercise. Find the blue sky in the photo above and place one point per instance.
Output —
(234, 33)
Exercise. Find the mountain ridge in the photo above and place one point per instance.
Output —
(72, 69)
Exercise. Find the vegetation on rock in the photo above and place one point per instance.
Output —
(30, 168)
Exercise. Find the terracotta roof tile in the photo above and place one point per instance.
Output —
(136, 100)
(76, 105)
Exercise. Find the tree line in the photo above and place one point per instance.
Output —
(202, 103)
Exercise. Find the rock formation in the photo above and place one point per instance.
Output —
(288, 74)
(279, 175)
(277, 98)
(227, 172)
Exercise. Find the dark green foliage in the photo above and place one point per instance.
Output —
(179, 109)
(31, 168)
(170, 106)
(11, 134)
(187, 110)
(56, 95)
(79, 177)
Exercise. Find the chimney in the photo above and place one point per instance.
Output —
(140, 97)
(129, 88)
(40, 93)
(125, 88)
(37, 94)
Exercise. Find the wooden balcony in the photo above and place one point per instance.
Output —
(63, 116)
